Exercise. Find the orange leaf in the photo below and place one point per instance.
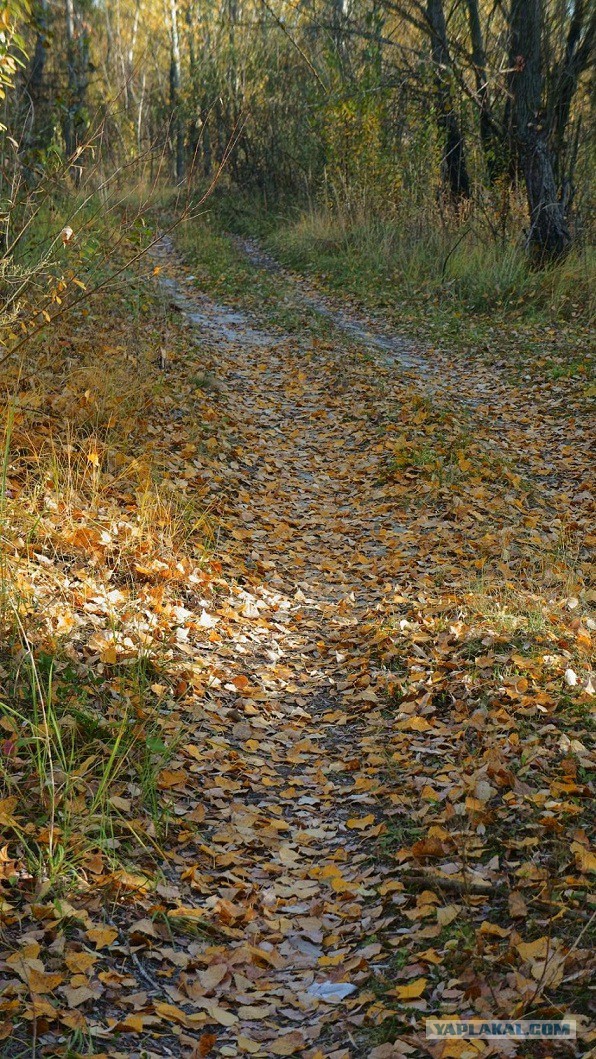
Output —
(359, 823)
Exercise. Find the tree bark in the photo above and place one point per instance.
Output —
(549, 236)
(77, 73)
(490, 138)
(177, 131)
(579, 52)
(454, 166)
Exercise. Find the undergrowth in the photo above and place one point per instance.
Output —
(410, 263)
(458, 264)
(92, 534)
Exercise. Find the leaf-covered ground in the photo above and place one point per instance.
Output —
(319, 607)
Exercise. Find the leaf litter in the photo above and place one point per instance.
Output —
(356, 789)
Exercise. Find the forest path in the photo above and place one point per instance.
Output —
(307, 557)
(360, 498)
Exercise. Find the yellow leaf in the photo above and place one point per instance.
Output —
(329, 871)
(416, 724)
(446, 915)
(102, 936)
(412, 990)
(454, 1049)
(223, 1017)
(171, 1013)
(247, 1045)
(109, 655)
(430, 956)
(343, 886)
(584, 858)
(80, 962)
(43, 981)
(132, 1024)
(494, 930)
(39, 1007)
(532, 950)
(290, 1044)
(75, 1020)
(186, 913)
(6, 811)
(131, 881)
(359, 823)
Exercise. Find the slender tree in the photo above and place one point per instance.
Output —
(454, 166)
(38, 122)
(490, 134)
(548, 236)
(77, 76)
(577, 56)
(175, 81)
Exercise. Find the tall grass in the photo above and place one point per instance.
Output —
(462, 261)
(84, 489)
(70, 748)
(69, 761)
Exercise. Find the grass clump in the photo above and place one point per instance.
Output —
(73, 750)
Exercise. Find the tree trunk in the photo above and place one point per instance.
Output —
(68, 128)
(549, 236)
(77, 72)
(39, 126)
(579, 50)
(454, 166)
(490, 138)
(177, 131)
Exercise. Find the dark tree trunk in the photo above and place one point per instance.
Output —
(39, 124)
(454, 166)
(579, 52)
(68, 128)
(38, 62)
(549, 236)
(490, 135)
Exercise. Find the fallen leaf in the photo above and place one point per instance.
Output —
(412, 990)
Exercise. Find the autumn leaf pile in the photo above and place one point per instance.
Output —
(300, 639)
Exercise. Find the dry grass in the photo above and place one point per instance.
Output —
(95, 540)
(477, 261)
